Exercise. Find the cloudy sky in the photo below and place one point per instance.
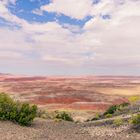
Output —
(70, 37)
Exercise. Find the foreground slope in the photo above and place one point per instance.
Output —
(50, 130)
(43, 130)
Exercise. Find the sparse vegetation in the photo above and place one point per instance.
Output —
(108, 115)
(97, 117)
(63, 116)
(134, 99)
(122, 105)
(118, 122)
(135, 120)
(43, 114)
(112, 109)
(22, 113)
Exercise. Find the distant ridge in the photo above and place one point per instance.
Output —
(9, 75)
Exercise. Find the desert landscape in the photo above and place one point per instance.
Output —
(83, 97)
(71, 93)
(69, 69)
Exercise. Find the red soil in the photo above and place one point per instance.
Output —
(78, 93)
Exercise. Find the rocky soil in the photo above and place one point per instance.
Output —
(52, 130)
(123, 132)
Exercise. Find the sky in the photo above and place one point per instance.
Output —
(70, 37)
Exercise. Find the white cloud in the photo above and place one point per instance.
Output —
(78, 9)
(8, 16)
(37, 12)
(9, 55)
(8, 1)
(111, 44)
(119, 37)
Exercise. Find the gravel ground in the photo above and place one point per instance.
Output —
(43, 130)
(112, 133)
(51, 130)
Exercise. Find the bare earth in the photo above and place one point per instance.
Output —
(80, 95)
(50, 130)
(73, 93)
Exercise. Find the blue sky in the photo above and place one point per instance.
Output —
(25, 9)
(70, 37)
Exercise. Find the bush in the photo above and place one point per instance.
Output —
(63, 116)
(22, 113)
(111, 110)
(26, 114)
(136, 120)
(6, 106)
(118, 122)
(134, 99)
(96, 117)
(124, 104)
(108, 115)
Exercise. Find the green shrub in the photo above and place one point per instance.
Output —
(111, 110)
(26, 114)
(96, 117)
(63, 116)
(118, 122)
(6, 105)
(22, 113)
(108, 115)
(124, 104)
(135, 120)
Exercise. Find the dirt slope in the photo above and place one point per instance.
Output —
(43, 130)
(50, 130)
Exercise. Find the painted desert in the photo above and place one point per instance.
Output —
(82, 98)
(71, 93)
